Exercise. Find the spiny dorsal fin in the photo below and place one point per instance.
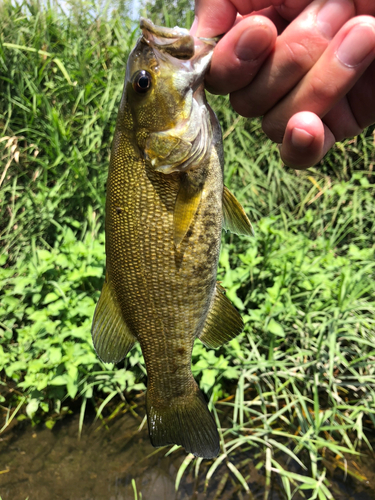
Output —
(187, 203)
(235, 218)
(110, 334)
(223, 322)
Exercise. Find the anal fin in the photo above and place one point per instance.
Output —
(111, 336)
(223, 322)
(235, 218)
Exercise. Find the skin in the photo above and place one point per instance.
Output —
(306, 66)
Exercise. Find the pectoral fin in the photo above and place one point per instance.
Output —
(110, 334)
(235, 218)
(223, 322)
(187, 203)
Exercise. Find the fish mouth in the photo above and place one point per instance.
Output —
(177, 42)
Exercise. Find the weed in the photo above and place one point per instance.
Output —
(297, 387)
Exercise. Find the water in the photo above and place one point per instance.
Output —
(44, 465)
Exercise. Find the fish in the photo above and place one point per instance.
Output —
(166, 206)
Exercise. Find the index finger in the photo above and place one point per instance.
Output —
(215, 17)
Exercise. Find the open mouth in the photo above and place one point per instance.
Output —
(175, 41)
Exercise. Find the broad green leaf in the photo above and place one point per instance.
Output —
(275, 328)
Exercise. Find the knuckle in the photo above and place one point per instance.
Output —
(300, 58)
(323, 90)
(303, 49)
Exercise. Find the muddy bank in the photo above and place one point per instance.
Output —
(42, 464)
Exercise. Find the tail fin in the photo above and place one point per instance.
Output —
(185, 421)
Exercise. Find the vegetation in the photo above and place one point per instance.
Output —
(298, 386)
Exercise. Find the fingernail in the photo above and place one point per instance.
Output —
(333, 15)
(357, 45)
(253, 43)
(301, 139)
(194, 26)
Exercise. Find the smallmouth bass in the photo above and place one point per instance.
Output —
(165, 210)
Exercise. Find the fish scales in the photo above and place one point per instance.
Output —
(164, 216)
(141, 257)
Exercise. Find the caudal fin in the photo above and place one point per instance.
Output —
(184, 421)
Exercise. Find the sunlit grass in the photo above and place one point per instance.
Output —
(296, 389)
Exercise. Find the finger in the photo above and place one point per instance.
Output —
(215, 17)
(239, 55)
(341, 121)
(306, 141)
(341, 65)
(356, 110)
(297, 49)
(361, 98)
(272, 14)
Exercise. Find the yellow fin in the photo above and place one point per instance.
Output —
(187, 203)
(235, 218)
(223, 322)
(111, 337)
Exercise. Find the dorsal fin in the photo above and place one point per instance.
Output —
(235, 218)
(223, 322)
(111, 336)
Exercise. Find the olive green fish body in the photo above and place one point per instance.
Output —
(164, 292)
(165, 209)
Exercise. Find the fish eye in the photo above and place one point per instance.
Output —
(142, 81)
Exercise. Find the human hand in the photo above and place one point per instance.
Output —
(306, 66)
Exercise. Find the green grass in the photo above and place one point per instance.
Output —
(297, 388)
(60, 86)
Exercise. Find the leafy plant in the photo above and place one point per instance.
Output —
(297, 387)
(46, 309)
